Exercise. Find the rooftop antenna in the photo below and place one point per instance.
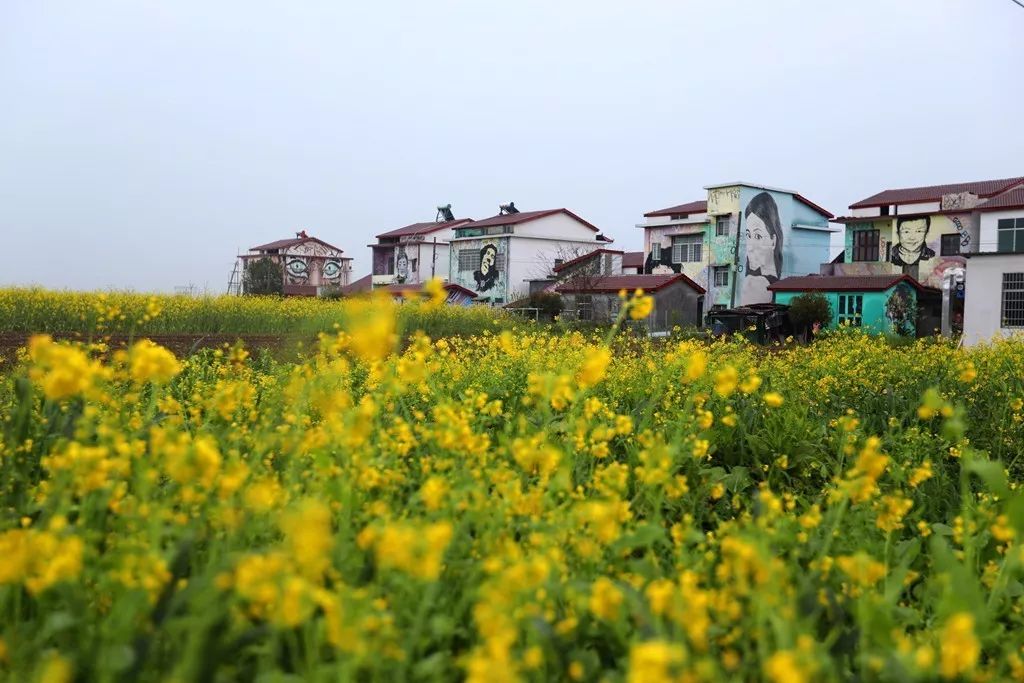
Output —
(444, 214)
(507, 209)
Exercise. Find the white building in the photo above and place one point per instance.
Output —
(415, 253)
(994, 303)
(498, 256)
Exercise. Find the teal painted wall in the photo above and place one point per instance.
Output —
(873, 306)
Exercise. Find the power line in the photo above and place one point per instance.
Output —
(1017, 2)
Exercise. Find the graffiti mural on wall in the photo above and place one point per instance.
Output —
(901, 310)
(331, 272)
(487, 276)
(402, 265)
(723, 200)
(912, 236)
(965, 236)
(763, 248)
(297, 271)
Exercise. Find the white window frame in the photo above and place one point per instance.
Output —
(1013, 285)
(687, 248)
(720, 270)
(723, 225)
(656, 251)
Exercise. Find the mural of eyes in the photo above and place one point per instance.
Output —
(297, 268)
(332, 270)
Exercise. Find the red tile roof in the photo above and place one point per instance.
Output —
(584, 257)
(424, 228)
(525, 217)
(933, 193)
(633, 259)
(1014, 199)
(616, 283)
(804, 200)
(844, 283)
(699, 206)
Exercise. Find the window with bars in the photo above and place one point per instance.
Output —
(469, 259)
(950, 245)
(723, 225)
(721, 276)
(1011, 234)
(687, 248)
(865, 245)
(851, 308)
(1013, 300)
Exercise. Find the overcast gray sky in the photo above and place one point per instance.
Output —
(143, 143)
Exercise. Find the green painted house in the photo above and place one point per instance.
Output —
(878, 303)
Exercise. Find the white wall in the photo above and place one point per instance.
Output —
(922, 207)
(531, 258)
(867, 212)
(555, 226)
(983, 305)
(656, 221)
(988, 237)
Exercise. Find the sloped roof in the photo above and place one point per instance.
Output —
(424, 228)
(363, 284)
(284, 244)
(844, 283)
(525, 217)
(616, 283)
(584, 257)
(633, 259)
(1014, 199)
(699, 206)
(931, 193)
(807, 202)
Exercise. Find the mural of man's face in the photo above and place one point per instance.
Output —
(487, 261)
(912, 234)
(760, 246)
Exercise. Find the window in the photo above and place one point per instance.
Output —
(851, 307)
(865, 245)
(1011, 234)
(1013, 300)
(678, 216)
(721, 276)
(412, 265)
(469, 259)
(950, 245)
(723, 225)
(687, 248)
(559, 261)
(884, 211)
(656, 252)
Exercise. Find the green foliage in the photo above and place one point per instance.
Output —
(809, 308)
(263, 277)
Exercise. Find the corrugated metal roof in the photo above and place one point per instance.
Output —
(934, 193)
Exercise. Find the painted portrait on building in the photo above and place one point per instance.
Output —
(763, 247)
(331, 272)
(911, 246)
(402, 265)
(297, 271)
(487, 276)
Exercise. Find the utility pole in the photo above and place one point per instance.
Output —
(433, 260)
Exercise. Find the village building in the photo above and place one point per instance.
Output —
(737, 240)
(678, 300)
(888, 304)
(995, 293)
(927, 233)
(309, 266)
(633, 263)
(498, 257)
(415, 253)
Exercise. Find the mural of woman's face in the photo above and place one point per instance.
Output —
(760, 246)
